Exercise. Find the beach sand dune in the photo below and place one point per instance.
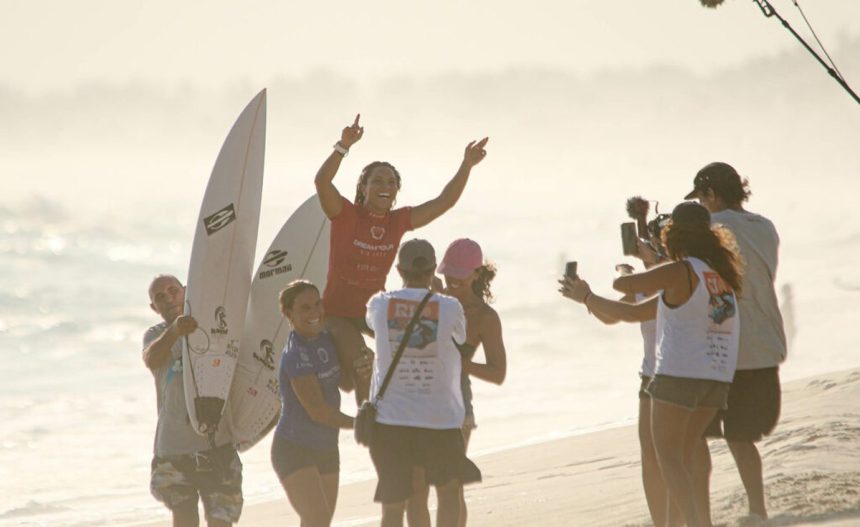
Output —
(812, 474)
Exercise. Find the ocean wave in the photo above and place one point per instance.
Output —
(32, 508)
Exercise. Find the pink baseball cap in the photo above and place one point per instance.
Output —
(462, 257)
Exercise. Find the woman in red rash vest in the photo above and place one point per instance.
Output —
(365, 236)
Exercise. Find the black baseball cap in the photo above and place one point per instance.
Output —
(718, 176)
(416, 255)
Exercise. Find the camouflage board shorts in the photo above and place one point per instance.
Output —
(215, 476)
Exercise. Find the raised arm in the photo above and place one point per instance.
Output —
(496, 367)
(430, 210)
(328, 194)
(579, 291)
(157, 353)
(309, 394)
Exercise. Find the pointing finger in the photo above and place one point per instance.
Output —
(357, 117)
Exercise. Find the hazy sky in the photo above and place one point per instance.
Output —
(59, 44)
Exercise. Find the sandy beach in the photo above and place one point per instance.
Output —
(812, 474)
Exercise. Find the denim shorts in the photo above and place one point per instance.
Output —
(689, 393)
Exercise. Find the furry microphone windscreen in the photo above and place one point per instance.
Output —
(711, 3)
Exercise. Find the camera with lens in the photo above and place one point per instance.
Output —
(649, 231)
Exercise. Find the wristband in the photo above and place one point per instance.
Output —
(340, 149)
(585, 301)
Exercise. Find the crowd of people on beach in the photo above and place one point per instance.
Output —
(712, 338)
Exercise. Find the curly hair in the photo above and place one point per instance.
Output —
(481, 285)
(291, 291)
(365, 175)
(714, 245)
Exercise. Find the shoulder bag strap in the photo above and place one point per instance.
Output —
(407, 333)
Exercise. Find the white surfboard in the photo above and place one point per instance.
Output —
(222, 258)
(300, 250)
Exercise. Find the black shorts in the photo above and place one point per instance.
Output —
(753, 407)
(288, 457)
(396, 450)
(643, 385)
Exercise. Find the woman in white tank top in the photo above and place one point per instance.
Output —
(697, 342)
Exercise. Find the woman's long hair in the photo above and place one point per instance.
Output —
(713, 244)
(481, 285)
(365, 175)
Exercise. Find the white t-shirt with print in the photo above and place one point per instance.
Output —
(425, 389)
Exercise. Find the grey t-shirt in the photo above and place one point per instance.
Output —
(174, 435)
(762, 341)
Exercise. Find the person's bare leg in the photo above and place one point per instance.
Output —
(464, 513)
(668, 429)
(417, 513)
(749, 465)
(698, 461)
(330, 484)
(214, 522)
(185, 514)
(392, 514)
(652, 479)
(349, 345)
(448, 504)
(306, 492)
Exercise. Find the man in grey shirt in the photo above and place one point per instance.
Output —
(754, 399)
(185, 465)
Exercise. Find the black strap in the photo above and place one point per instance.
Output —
(407, 333)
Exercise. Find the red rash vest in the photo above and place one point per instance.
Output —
(363, 248)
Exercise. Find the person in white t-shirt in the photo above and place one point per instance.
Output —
(697, 342)
(419, 416)
(754, 399)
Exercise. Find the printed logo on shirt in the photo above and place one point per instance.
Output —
(219, 220)
(377, 232)
(424, 334)
(323, 355)
(416, 372)
(266, 357)
(721, 305)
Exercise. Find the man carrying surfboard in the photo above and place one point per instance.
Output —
(365, 235)
(185, 467)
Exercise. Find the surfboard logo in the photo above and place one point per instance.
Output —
(266, 357)
(219, 220)
(274, 260)
(221, 320)
(377, 233)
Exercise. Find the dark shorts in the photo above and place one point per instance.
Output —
(689, 393)
(753, 407)
(643, 386)
(396, 450)
(215, 476)
(288, 457)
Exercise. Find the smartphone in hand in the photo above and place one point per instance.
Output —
(570, 269)
(628, 239)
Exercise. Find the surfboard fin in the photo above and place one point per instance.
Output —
(208, 410)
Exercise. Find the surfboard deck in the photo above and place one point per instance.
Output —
(222, 258)
(299, 250)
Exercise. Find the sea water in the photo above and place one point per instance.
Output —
(77, 405)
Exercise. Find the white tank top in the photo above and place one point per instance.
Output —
(699, 339)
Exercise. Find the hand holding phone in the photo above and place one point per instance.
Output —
(628, 239)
